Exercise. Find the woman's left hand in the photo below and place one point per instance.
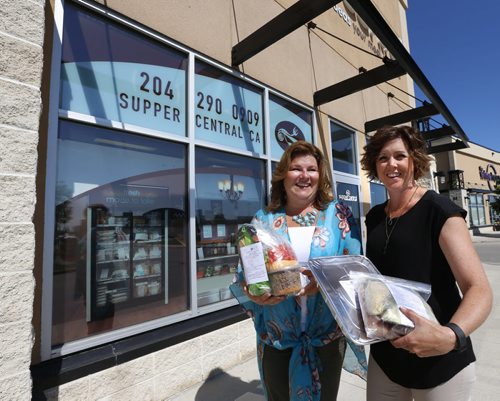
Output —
(428, 338)
(312, 287)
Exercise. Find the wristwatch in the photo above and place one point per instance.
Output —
(461, 343)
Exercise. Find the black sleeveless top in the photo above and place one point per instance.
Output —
(413, 253)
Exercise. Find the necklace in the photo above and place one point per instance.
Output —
(389, 222)
(306, 219)
(391, 219)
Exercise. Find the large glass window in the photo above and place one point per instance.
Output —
(121, 243)
(228, 110)
(494, 215)
(378, 194)
(229, 190)
(116, 74)
(121, 250)
(476, 209)
(288, 123)
(343, 149)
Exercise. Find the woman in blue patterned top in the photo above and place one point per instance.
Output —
(300, 348)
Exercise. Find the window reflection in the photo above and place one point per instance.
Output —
(476, 209)
(120, 253)
(229, 190)
(378, 194)
(114, 73)
(343, 149)
(288, 123)
(228, 109)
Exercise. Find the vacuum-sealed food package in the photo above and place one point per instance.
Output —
(366, 303)
(332, 274)
(271, 266)
(380, 299)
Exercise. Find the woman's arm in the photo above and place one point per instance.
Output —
(428, 338)
(468, 271)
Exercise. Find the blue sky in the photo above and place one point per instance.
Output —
(456, 45)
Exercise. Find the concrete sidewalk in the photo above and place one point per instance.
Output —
(485, 234)
(242, 383)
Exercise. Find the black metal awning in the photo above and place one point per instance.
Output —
(438, 133)
(389, 70)
(399, 118)
(303, 11)
(458, 144)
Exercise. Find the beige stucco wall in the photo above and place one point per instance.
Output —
(469, 160)
(21, 60)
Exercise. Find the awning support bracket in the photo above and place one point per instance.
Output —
(399, 118)
(297, 15)
(389, 70)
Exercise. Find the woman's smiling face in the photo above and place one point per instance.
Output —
(301, 181)
(395, 165)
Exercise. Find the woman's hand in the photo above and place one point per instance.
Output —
(428, 338)
(264, 299)
(312, 287)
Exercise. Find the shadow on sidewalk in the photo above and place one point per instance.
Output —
(221, 386)
(487, 235)
(484, 232)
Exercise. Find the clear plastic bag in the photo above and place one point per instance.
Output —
(252, 260)
(332, 275)
(269, 262)
(380, 298)
(364, 302)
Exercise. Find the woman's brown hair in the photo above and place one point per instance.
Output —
(300, 148)
(413, 141)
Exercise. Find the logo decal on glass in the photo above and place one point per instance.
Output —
(287, 133)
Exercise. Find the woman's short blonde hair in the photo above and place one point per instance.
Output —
(300, 148)
(413, 141)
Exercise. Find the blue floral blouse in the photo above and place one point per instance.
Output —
(279, 325)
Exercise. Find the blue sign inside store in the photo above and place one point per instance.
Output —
(143, 95)
(228, 111)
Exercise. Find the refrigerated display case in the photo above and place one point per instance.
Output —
(127, 261)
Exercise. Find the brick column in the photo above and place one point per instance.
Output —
(21, 60)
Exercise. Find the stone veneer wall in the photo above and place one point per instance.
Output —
(164, 374)
(21, 61)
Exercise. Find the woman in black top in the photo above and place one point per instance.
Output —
(422, 236)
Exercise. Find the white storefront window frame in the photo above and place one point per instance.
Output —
(55, 114)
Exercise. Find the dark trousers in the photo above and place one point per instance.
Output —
(275, 364)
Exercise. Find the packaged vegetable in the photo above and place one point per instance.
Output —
(252, 259)
(270, 264)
